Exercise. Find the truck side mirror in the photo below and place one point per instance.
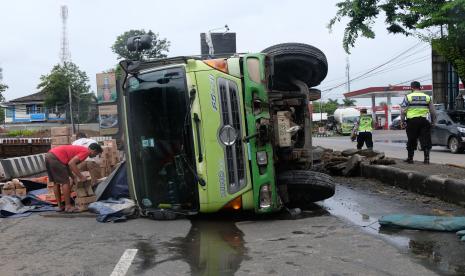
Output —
(139, 43)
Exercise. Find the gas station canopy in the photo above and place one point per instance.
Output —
(385, 91)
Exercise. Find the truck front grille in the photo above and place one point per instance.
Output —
(231, 115)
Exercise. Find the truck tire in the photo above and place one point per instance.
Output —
(296, 61)
(305, 187)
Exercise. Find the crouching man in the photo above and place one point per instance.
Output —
(60, 162)
(90, 164)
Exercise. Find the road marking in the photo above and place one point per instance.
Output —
(124, 263)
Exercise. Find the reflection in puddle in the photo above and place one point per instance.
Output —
(391, 141)
(210, 248)
(441, 252)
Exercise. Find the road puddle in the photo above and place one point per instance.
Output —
(391, 141)
(212, 247)
(439, 251)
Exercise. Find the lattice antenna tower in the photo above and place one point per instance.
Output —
(1, 74)
(65, 55)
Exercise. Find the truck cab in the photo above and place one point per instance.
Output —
(223, 133)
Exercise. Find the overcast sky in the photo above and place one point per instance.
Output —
(30, 32)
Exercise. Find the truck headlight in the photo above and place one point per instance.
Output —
(265, 196)
(262, 158)
(461, 129)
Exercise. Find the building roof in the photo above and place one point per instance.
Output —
(36, 97)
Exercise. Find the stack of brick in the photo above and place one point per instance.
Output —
(50, 193)
(109, 157)
(14, 187)
(84, 192)
(60, 136)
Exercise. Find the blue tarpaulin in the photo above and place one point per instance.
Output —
(420, 222)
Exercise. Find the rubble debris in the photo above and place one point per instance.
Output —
(385, 161)
(347, 162)
(352, 165)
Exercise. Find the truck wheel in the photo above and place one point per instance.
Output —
(305, 187)
(296, 61)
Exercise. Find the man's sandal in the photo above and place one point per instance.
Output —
(72, 210)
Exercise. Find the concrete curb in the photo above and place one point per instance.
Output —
(447, 189)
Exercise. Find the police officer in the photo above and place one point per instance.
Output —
(415, 109)
(364, 126)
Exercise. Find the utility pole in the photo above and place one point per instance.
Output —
(348, 73)
(65, 56)
(71, 108)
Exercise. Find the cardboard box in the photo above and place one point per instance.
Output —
(110, 143)
(18, 184)
(50, 197)
(20, 191)
(82, 203)
(84, 188)
(60, 131)
(60, 140)
(8, 192)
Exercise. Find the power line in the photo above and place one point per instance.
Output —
(375, 68)
(420, 51)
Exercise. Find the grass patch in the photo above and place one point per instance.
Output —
(21, 133)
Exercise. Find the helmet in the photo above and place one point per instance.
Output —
(415, 85)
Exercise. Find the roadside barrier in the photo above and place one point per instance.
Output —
(16, 167)
(25, 140)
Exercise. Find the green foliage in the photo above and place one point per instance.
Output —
(348, 102)
(57, 82)
(87, 108)
(414, 17)
(329, 106)
(21, 133)
(158, 50)
(3, 88)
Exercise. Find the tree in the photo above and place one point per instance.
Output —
(3, 88)
(158, 50)
(326, 107)
(56, 85)
(348, 102)
(440, 22)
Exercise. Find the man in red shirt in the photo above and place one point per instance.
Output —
(60, 162)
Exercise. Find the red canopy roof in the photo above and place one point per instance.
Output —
(384, 91)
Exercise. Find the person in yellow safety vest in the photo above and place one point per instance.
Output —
(364, 126)
(415, 110)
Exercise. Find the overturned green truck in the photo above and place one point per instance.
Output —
(225, 132)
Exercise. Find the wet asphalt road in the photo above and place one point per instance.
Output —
(393, 144)
(329, 239)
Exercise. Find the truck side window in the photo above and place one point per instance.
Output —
(253, 66)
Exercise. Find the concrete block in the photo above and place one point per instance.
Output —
(402, 178)
(455, 191)
(434, 185)
(415, 183)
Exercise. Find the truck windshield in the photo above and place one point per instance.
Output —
(160, 140)
(349, 120)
